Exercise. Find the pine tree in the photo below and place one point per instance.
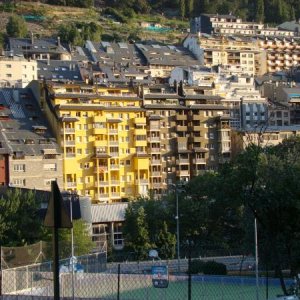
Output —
(190, 8)
(260, 11)
(182, 8)
(16, 27)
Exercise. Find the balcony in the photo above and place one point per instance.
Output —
(114, 167)
(142, 181)
(154, 139)
(140, 143)
(100, 130)
(115, 195)
(157, 185)
(196, 139)
(70, 155)
(154, 128)
(181, 128)
(102, 183)
(199, 161)
(195, 117)
(140, 121)
(102, 197)
(101, 169)
(69, 143)
(195, 128)
(179, 117)
(114, 154)
(155, 150)
(102, 143)
(114, 143)
(71, 184)
(155, 162)
(183, 173)
(114, 182)
(182, 161)
(112, 131)
(68, 130)
(89, 185)
(156, 174)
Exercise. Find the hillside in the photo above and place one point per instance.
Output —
(113, 24)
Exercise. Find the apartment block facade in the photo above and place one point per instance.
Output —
(102, 132)
(234, 51)
(232, 25)
(281, 54)
(16, 71)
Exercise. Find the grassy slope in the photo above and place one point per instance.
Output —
(57, 15)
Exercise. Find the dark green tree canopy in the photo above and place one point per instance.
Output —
(16, 27)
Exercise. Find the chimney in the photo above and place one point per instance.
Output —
(58, 41)
(32, 38)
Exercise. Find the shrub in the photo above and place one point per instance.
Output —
(196, 266)
(214, 268)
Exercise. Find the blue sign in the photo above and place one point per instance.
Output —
(160, 276)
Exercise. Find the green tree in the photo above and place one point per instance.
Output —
(19, 220)
(182, 8)
(83, 243)
(260, 11)
(190, 8)
(166, 242)
(136, 232)
(16, 27)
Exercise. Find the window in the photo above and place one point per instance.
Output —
(126, 127)
(50, 167)
(19, 182)
(86, 165)
(19, 168)
(79, 151)
(127, 162)
(47, 182)
(86, 151)
(8, 75)
(8, 66)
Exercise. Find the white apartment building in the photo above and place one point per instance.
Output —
(16, 71)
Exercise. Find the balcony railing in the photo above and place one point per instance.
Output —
(103, 183)
(68, 130)
(155, 162)
(114, 182)
(154, 139)
(115, 195)
(70, 155)
(114, 167)
(71, 183)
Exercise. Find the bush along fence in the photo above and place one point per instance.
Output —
(217, 278)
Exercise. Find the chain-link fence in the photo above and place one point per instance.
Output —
(190, 279)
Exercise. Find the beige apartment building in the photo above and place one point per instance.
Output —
(281, 53)
(234, 51)
(186, 135)
(262, 136)
(233, 25)
(16, 71)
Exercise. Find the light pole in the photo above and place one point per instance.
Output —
(256, 259)
(72, 245)
(177, 228)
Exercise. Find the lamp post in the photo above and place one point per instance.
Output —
(72, 245)
(175, 186)
(177, 229)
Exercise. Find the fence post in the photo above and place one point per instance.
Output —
(119, 273)
(189, 273)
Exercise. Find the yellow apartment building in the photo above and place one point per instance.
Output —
(102, 132)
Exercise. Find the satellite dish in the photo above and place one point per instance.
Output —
(153, 254)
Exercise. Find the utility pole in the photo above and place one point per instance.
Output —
(177, 229)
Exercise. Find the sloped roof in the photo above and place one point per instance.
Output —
(108, 212)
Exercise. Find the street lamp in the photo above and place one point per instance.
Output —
(72, 196)
(177, 190)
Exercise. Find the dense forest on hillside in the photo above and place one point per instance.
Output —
(268, 11)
